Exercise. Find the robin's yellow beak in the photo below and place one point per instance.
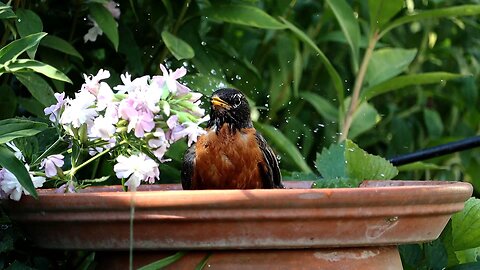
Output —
(220, 103)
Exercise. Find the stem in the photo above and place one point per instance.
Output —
(161, 57)
(74, 23)
(73, 171)
(357, 87)
(132, 216)
(46, 152)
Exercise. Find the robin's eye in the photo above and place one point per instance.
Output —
(236, 102)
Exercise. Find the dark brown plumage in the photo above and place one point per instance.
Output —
(232, 155)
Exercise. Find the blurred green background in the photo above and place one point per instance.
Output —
(411, 67)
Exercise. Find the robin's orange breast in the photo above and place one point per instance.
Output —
(228, 160)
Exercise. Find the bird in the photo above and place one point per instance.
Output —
(232, 154)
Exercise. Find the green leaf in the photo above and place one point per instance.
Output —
(18, 128)
(105, 21)
(203, 263)
(15, 166)
(17, 47)
(435, 254)
(28, 22)
(6, 12)
(8, 102)
(381, 11)
(297, 71)
(337, 81)
(347, 165)
(32, 106)
(364, 118)
(164, 262)
(38, 87)
(283, 145)
(96, 180)
(387, 63)
(61, 45)
(321, 105)
(466, 226)
(434, 123)
(422, 166)
(345, 17)
(177, 46)
(412, 255)
(407, 80)
(242, 14)
(466, 266)
(26, 65)
(468, 255)
(456, 11)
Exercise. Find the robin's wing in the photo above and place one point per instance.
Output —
(188, 167)
(272, 178)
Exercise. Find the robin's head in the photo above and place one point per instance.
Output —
(229, 106)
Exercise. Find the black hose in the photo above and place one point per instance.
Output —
(436, 151)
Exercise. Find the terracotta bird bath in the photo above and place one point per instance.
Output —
(294, 228)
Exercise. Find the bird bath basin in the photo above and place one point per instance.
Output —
(297, 227)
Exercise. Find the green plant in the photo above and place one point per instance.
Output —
(394, 76)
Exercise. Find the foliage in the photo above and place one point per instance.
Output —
(347, 165)
(394, 76)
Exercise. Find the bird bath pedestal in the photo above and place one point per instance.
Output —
(293, 228)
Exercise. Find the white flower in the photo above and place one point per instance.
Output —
(79, 110)
(54, 109)
(112, 6)
(104, 97)
(93, 32)
(102, 128)
(92, 83)
(11, 187)
(18, 154)
(51, 163)
(136, 168)
(130, 86)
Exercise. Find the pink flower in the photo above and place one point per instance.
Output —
(142, 123)
(160, 144)
(92, 83)
(172, 121)
(136, 168)
(51, 164)
(170, 78)
(112, 6)
(67, 187)
(54, 109)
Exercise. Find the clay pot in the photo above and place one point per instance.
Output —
(297, 227)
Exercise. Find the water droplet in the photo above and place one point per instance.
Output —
(203, 43)
(213, 72)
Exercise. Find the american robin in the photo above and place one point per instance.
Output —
(232, 154)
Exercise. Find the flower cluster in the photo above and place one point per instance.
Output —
(134, 122)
